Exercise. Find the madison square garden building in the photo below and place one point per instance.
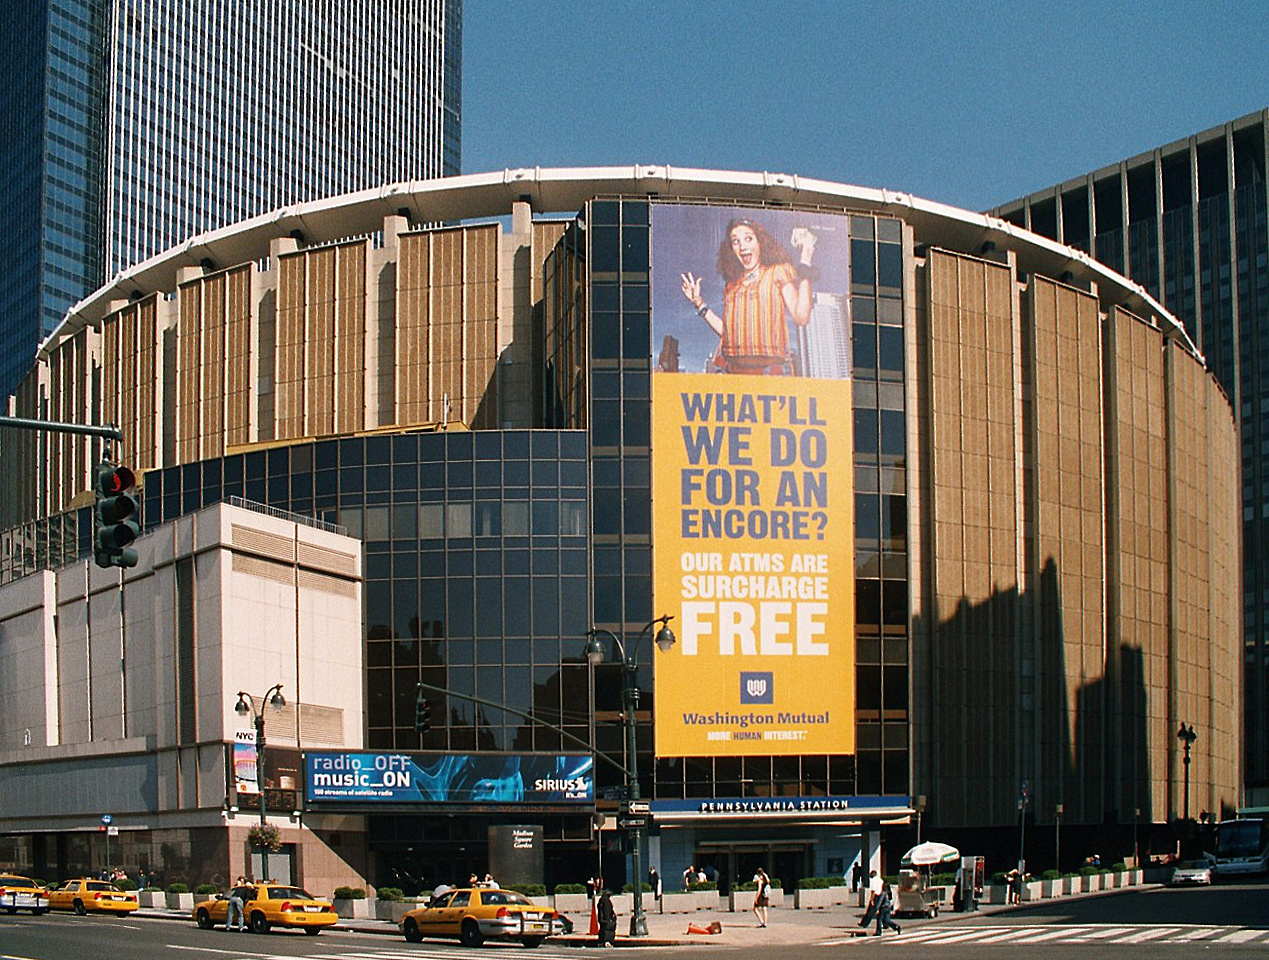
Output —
(942, 511)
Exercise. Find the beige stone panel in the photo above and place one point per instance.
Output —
(188, 370)
(212, 405)
(238, 355)
(350, 338)
(289, 347)
(319, 353)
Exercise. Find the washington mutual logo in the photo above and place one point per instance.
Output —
(756, 687)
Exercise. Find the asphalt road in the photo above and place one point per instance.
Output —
(1230, 920)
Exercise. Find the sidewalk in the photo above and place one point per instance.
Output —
(785, 927)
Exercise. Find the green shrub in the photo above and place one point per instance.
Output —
(1051, 875)
(393, 894)
(749, 885)
(177, 887)
(1088, 870)
(705, 885)
(207, 889)
(817, 883)
(645, 887)
(943, 879)
(570, 888)
(350, 893)
(1119, 867)
(528, 889)
(1000, 877)
(125, 884)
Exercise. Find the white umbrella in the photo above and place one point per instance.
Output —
(930, 853)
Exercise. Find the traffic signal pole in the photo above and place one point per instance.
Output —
(107, 432)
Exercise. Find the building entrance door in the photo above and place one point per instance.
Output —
(737, 863)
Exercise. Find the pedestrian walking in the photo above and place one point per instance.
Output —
(875, 886)
(885, 907)
(762, 896)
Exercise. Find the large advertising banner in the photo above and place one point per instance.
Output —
(752, 481)
(366, 777)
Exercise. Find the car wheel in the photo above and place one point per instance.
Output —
(79, 907)
(411, 931)
(259, 923)
(40, 912)
(470, 935)
(204, 920)
(532, 942)
(312, 931)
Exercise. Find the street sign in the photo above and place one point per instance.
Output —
(632, 823)
(112, 831)
(613, 793)
(107, 819)
(638, 807)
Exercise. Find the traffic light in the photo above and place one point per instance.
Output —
(113, 524)
(422, 714)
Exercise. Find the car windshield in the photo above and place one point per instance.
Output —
(289, 893)
(503, 898)
(16, 882)
(1193, 865)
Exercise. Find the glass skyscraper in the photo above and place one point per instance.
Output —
(1187, 222)
(129, 126)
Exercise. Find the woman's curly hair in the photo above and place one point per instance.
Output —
(770, 250)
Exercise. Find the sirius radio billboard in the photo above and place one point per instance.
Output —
(448, 778)
(752, 481)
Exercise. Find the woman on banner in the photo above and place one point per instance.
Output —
(764, 288)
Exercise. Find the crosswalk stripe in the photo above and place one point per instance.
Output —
(1142, 936)
(1240, 936)
(1018, 935)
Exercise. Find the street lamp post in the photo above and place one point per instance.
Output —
(1187, 736)
(1024, 796)
(629, 701)
(919, 805)
(1058, 810)
(246, 705)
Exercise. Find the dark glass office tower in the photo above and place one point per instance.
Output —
(129, 126)
(1187, 222)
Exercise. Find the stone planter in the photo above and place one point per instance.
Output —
(393, 910)
(678, 902)
(1135, 877)
(361, 909)
(573, 905)
(624, 903)
(152, 898)
(1051, 888)
(1031, 890)
(707, 900)
(179, 901)
(821, 899)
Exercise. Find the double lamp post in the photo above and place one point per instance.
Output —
(246, 705)
(627, 656)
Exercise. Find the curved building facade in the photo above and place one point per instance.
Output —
(944, 513)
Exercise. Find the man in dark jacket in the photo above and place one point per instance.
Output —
(607, 920)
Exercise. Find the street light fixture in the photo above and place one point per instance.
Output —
(1187, 736)
(628, 658)
(246, 705)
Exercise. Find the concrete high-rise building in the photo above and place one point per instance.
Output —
(129, 126)
(1187, 221)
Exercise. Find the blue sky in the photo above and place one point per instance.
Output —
(964, 103)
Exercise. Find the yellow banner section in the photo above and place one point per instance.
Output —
(753, 538)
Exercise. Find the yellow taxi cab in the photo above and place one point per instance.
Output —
(476, 914)
(22, 893)
(268, 905)
(92, 896)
